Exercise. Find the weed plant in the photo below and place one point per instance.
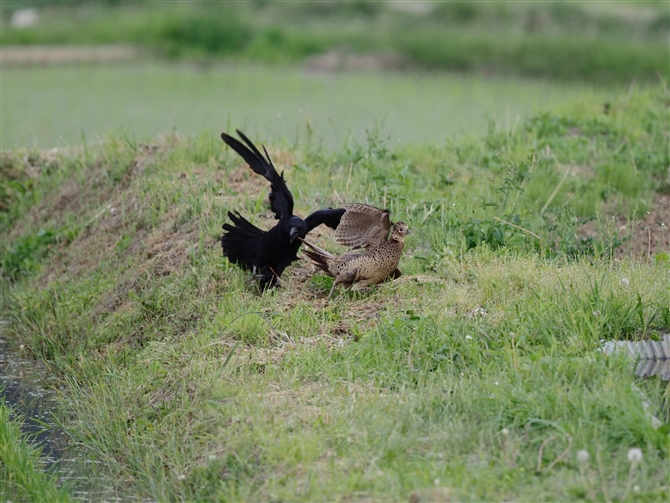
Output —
(477, 375)
(22, 478)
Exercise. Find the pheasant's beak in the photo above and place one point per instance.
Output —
(293, 233)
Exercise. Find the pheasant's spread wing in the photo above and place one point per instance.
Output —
(363, 226)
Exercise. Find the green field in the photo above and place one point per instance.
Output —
(476, 376)
(50, 107)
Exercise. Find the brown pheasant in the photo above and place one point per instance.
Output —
(363, 226)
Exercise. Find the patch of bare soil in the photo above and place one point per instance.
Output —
(168, 251)
(66, 54)
(165, 251)
(119, 216)
(648, 236)
(243, 181)
(342, 61)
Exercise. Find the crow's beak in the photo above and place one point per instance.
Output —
(293, 233)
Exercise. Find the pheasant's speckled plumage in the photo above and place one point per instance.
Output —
(359, 270)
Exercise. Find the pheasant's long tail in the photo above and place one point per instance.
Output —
(319, 256)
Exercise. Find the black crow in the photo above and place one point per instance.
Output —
(268, 253)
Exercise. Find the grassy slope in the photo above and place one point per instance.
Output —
(189, 385)
(561, 40)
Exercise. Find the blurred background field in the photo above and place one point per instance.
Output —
(417, 71)
(56, 106)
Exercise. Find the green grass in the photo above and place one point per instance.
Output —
(560, 40)
(23, 480)
(475, 376)
(63, 106)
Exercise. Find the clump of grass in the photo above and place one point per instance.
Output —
(20, 172)
(22, 478)
(184, 380)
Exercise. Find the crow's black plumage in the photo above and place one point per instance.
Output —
(268, 253)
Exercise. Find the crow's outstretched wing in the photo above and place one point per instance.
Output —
(363, 226)
(329, 216)
(281, 199)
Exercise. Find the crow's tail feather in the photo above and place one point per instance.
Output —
(242, 241)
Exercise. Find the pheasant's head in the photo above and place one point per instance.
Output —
(399, 232)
